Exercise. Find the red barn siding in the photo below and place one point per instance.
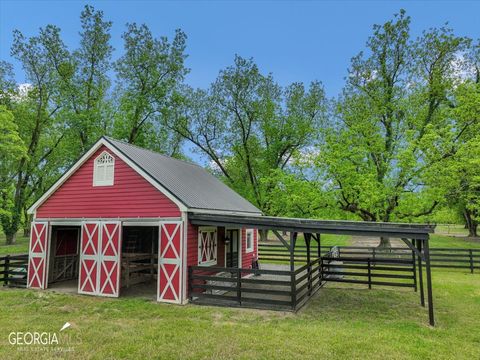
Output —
(131, 196)
(192, 249)
(192, 246)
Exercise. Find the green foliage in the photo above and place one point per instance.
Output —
(400, 142)
(12, 149)
(392, 125)
(148, 74)
(86, 83)
(249, 126)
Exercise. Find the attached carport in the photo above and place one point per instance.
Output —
(415, 236)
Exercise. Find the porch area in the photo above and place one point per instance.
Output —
(299, 271)
(274, 286)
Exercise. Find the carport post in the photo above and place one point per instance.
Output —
(320, 265)
(319, 246)
(414, 263)
(307, 237)
(429, 283)
(293, 240)
(420, 272)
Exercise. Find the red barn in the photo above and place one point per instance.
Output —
(120, 216)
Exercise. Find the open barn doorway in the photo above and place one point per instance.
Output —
(139, 262)
(63, 266)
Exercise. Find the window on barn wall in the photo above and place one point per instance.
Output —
(103, 170)
(249, 240)
(207, 246)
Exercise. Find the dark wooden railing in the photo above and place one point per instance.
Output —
(13, 270)
(455, 258)
(257, 288)
(452, 258)
(306, 281)
(369, 271)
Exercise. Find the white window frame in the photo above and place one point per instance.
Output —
(214, 256)
(104, 182)
(249, 249)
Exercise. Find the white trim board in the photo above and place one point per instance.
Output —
(222, 212)
(130, 220)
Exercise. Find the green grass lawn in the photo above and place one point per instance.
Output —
(451, 229)
(20, 246)
(453, 242)
(341, 322)
(325, 239)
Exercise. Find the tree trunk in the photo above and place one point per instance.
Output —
(384, 243)
(472, 232)
(472, 229)
(470, 223)
(27, 222)
(26, 230)
(11, 238)
(263, 235)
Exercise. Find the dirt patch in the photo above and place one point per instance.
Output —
(368, 241)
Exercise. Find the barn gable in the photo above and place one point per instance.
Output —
(187, 185)
(130, 194)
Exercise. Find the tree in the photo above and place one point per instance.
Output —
(391, 125)
(458, 178)
(12, 149)
(86, 81)
(249, 127)
(148, 74)
(467, 112)
(7, 84)
(467, 191)
(35, 114)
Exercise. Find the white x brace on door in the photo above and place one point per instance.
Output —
(37, 257)
(100, 258)
(170, 262)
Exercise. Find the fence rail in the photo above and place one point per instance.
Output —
(369, 271)
(274, 289)
(13, 270)
(453, 258)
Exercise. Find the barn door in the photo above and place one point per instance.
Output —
(109, 260)
(170, 262)
(100, 259)
(87, 278)
(37, 258)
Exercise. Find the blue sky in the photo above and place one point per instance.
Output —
(296, 41)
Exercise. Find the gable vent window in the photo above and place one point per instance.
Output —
(103, 170)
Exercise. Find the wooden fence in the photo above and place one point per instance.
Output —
(452, 258)
(369, 271)
(256, 288)
(13, 270)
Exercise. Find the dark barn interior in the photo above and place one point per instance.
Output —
(64, 258)
(139, 260)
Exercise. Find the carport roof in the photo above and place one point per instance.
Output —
(362, 228)
(190, 183)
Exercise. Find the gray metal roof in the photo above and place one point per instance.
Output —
(394, 230)
(191, 184)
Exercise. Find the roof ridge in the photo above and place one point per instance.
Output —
(108, 138)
